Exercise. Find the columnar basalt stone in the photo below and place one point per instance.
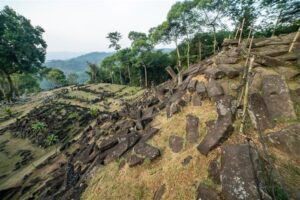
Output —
(196, 100)
(216, 134)
(135, 160)
(214, 73)
(258, 112)
(214, 171)
(192, 128)
(176, 143)
(159, 192)
(226, 60)
(214, 89)
(226, 105)
(276, 94)
(238, 168)
(206, 193)
(147, 151)
(229, 71)
(201, 89)
(192, 86)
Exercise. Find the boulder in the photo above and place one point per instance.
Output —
(196, 100)
(288, 72)
(268, 61)
(226, 60)
(159, 192)
(277, 95)
(206, 193)
(286, 140)
(135, 160)
(175, 143)
(192, 128)
(230, 72)
(148, 133)
(258, 112)
(146, 150)
(192, 86)
(214, 73)
(201, 89)
(216, 134)
(214, 89)
(238, 178)
(108, 143)
(226, 105)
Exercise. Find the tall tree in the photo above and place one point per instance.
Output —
(22, 48)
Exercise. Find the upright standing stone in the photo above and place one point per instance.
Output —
(214, 89)
(276, 94)
(192, 128)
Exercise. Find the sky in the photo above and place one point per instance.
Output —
(82, 25)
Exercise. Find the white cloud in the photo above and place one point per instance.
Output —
(82, 25)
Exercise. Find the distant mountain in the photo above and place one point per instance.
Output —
(77, 64)
(62, 55)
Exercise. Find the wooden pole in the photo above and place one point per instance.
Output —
(294, 40)
(241, 32)
(200, 49)
(245, 106)
(237, 32)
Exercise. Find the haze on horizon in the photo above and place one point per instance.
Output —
(82, 25)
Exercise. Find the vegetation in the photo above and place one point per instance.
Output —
(52, 139)
(38, 126)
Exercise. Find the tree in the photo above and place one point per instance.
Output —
(22, 48)
(93, 73)
(114, 38)
(26, 83)
(72, 78)
(57, 77)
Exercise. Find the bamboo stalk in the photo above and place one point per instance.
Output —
(294, 40)
(237, 31)
(245, 72)
(246, 100)
(241, 32)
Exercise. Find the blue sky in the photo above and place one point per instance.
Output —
(82, 25)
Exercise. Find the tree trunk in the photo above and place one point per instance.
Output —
(112, 78)
(129, 74)
(276, 23)
(200, 50)
(215, 39)
(120, 76)
(146, 76)
(11, 91)
(188, 51)
(178, 56)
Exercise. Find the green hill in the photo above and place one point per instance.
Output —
(77, 64)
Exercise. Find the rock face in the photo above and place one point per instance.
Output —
(216, 134)
(237, 177)
(276, 94)
(286, 140)
(192, 128)
(258, 112)
(206, 193)
(214, 89)
(176, 143)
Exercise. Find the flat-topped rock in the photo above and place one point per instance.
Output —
(206, 193)
(192, 128)
(214, 89)
(258, 112)
(147, 151)
(237, 175)
(175, 143)
(277, 95)
(216, 134)
(214, 73)
(286, 140)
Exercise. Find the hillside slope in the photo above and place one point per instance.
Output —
(77, 64)
(177, 141)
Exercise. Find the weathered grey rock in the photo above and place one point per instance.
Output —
(135, 160)
(146, 150)
(214, 73)
(277, 95)
(214, 171)
(175, 143)
(214, 89)
(228, 42)
(192, 86)
(148, 133)
(206, 193)
(288, 72)
(107, 144)
(237, 172)
(216, 134)
(159, 192)
(226, 105)
(196, 100)
(175, 108)
(226, 60)
(125, 142)
(201, 89)
(187, 160)
(268, 61)
(192, 128)
(286, 140)
(258, 112)
(230, 72)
